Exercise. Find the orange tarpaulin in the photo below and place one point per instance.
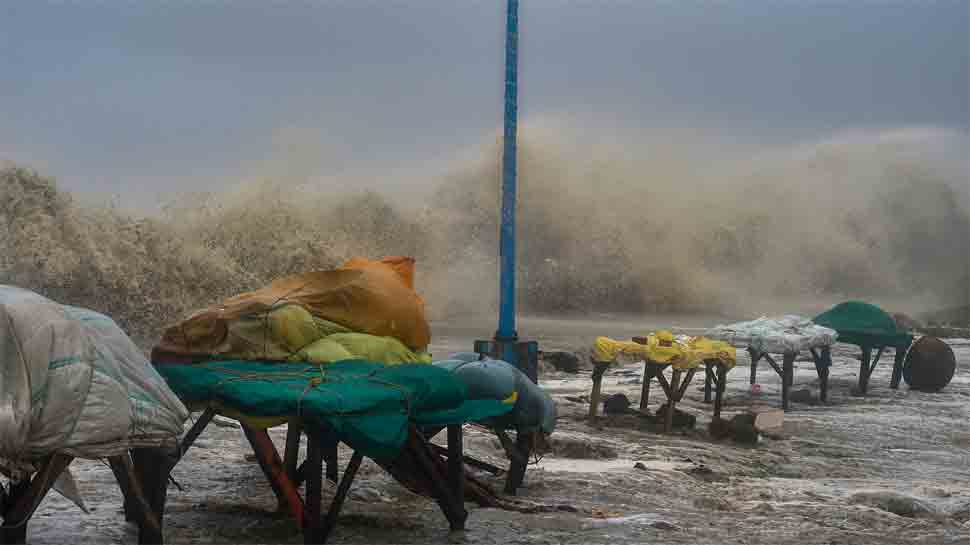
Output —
(365, 296)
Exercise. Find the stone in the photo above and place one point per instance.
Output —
(803, 395)
(681, 418)
(664, 525)
(616, 404)
(893, 502)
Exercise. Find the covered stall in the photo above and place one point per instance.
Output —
(660, 350)
(787, 336)
(871, 329)
(73, 385)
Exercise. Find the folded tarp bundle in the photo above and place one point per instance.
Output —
(663, 347)
(776, 335)
(71, 381)
(365, 404)
(363, 310)
(532, 407)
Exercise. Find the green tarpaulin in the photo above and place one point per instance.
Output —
(368, 405)
(864, 325)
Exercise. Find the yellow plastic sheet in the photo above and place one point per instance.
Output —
(662, 347)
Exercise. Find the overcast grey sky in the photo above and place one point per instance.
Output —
(143, 97)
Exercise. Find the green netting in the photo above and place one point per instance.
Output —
(368, 405)
(864, 325)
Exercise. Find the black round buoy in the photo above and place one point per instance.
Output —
(930, 365)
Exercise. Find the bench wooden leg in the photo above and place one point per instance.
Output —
(338, 500)
(787, 378)
(708, 379)
(151, 468)
(898, 362)
(648, 372)
(456, 463)
(865, 369)
(719, 393)
(23, 498)
(672, 400)
(120, 470)
(755, 356)
(272, 466)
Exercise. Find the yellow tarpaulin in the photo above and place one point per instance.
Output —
(370, 298)
(681, 352)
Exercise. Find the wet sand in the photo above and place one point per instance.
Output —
(820, 480)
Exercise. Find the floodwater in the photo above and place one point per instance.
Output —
(831, 475)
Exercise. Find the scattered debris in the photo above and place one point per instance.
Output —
(598, 513)
(584, 399)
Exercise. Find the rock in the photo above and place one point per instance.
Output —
(740, 428)
(366, 494)
(580, 447)
(664, 525)
(616, 404)
(763, 508)
(712, 504)
(567, 362)
(681, 419)
(706, 474)
(803, 395)
(584, 399)
(639, 465)
(893, 502)
(224, 423)
(768, 419)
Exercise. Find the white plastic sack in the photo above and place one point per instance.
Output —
(71, 381)
(775, 335)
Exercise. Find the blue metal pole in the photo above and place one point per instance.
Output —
(506, 323)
